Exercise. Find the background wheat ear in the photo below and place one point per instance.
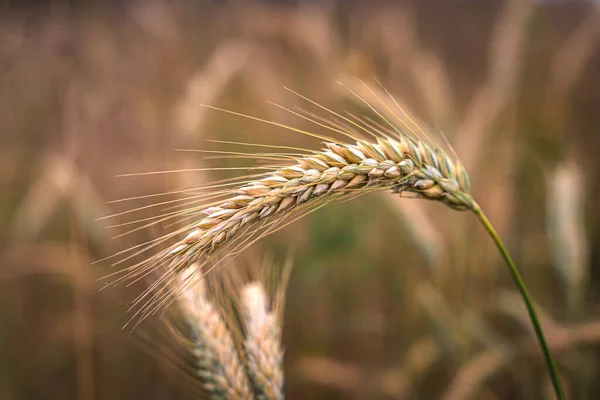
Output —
(258, 294)
(231, 331)
(218, 363)
(262, 343)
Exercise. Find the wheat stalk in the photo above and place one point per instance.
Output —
(400, 157)
(218, 363)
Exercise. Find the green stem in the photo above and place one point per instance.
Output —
(528, 303)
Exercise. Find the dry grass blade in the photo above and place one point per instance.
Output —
(224, 64)
(474, 374)
(574, 55)
(566, 229)
(354, 380)
(508, 42)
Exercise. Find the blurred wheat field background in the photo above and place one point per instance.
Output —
(389, 297)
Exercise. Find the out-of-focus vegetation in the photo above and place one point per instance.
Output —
(390, 298)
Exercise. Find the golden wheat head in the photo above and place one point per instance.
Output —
(394, 154)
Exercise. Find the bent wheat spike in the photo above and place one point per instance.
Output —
(402, 158)
(403, 165)
(259, 205)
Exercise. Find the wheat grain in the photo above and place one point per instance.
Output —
(218, 363)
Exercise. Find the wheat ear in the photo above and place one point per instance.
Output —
(402, 163)
(218, 363)
(262, 344)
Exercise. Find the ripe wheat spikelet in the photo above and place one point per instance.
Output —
(262, 344)
(218, 364)
(232, 214)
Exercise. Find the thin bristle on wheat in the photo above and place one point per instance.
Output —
(262, 344)
(218, 363)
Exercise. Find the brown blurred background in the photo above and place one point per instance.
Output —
(389, 298)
